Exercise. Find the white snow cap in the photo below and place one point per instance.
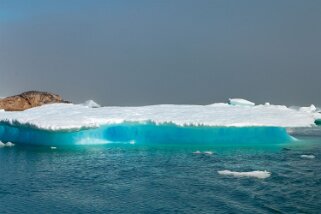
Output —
(91, 104)
(69, 116)
(240, 102)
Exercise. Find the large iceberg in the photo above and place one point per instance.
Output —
(78, 124)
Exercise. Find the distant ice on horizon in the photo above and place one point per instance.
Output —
(91, 104)
(240, 102)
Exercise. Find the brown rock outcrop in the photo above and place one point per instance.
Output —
(28, 100)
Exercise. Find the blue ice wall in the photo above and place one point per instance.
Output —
(144, 134)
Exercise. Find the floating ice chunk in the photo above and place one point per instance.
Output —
(205, 153)
(2, 144)
(307, 156)
(267, 104)
(208, 152)
(197, 152)
(9, 144)
(132, 142)
(91, 104)
(240, 102)
(254, 174)
(53, 147)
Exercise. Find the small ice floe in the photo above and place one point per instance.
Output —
(253, 174)
(53, 147)
(9, 144)
(132, 142)
(197, 152)
(307, 156)
(208, 153)
(2, 144)
(205, 153)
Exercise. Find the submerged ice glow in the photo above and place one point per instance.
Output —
(145, 133)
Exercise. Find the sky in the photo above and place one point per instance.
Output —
(142, 52)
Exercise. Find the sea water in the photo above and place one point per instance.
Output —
(162, 178)
(218, 158)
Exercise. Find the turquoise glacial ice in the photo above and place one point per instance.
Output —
(144, 133)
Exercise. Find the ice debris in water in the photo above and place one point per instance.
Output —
(254, 174)
(205, 153)
(240, 102)
(9, 144)
(307, 156)
(208, 153)
(53, 147)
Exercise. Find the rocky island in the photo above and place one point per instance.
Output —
(28, 100)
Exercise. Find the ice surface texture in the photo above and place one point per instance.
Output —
(76, 117)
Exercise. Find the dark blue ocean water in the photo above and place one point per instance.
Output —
(156, 178)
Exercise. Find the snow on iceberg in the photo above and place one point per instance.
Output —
(76, 117)
(309, 109)
(253, 174)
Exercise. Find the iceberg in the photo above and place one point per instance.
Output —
(61, 124)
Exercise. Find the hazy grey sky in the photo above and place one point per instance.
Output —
(163, 51)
